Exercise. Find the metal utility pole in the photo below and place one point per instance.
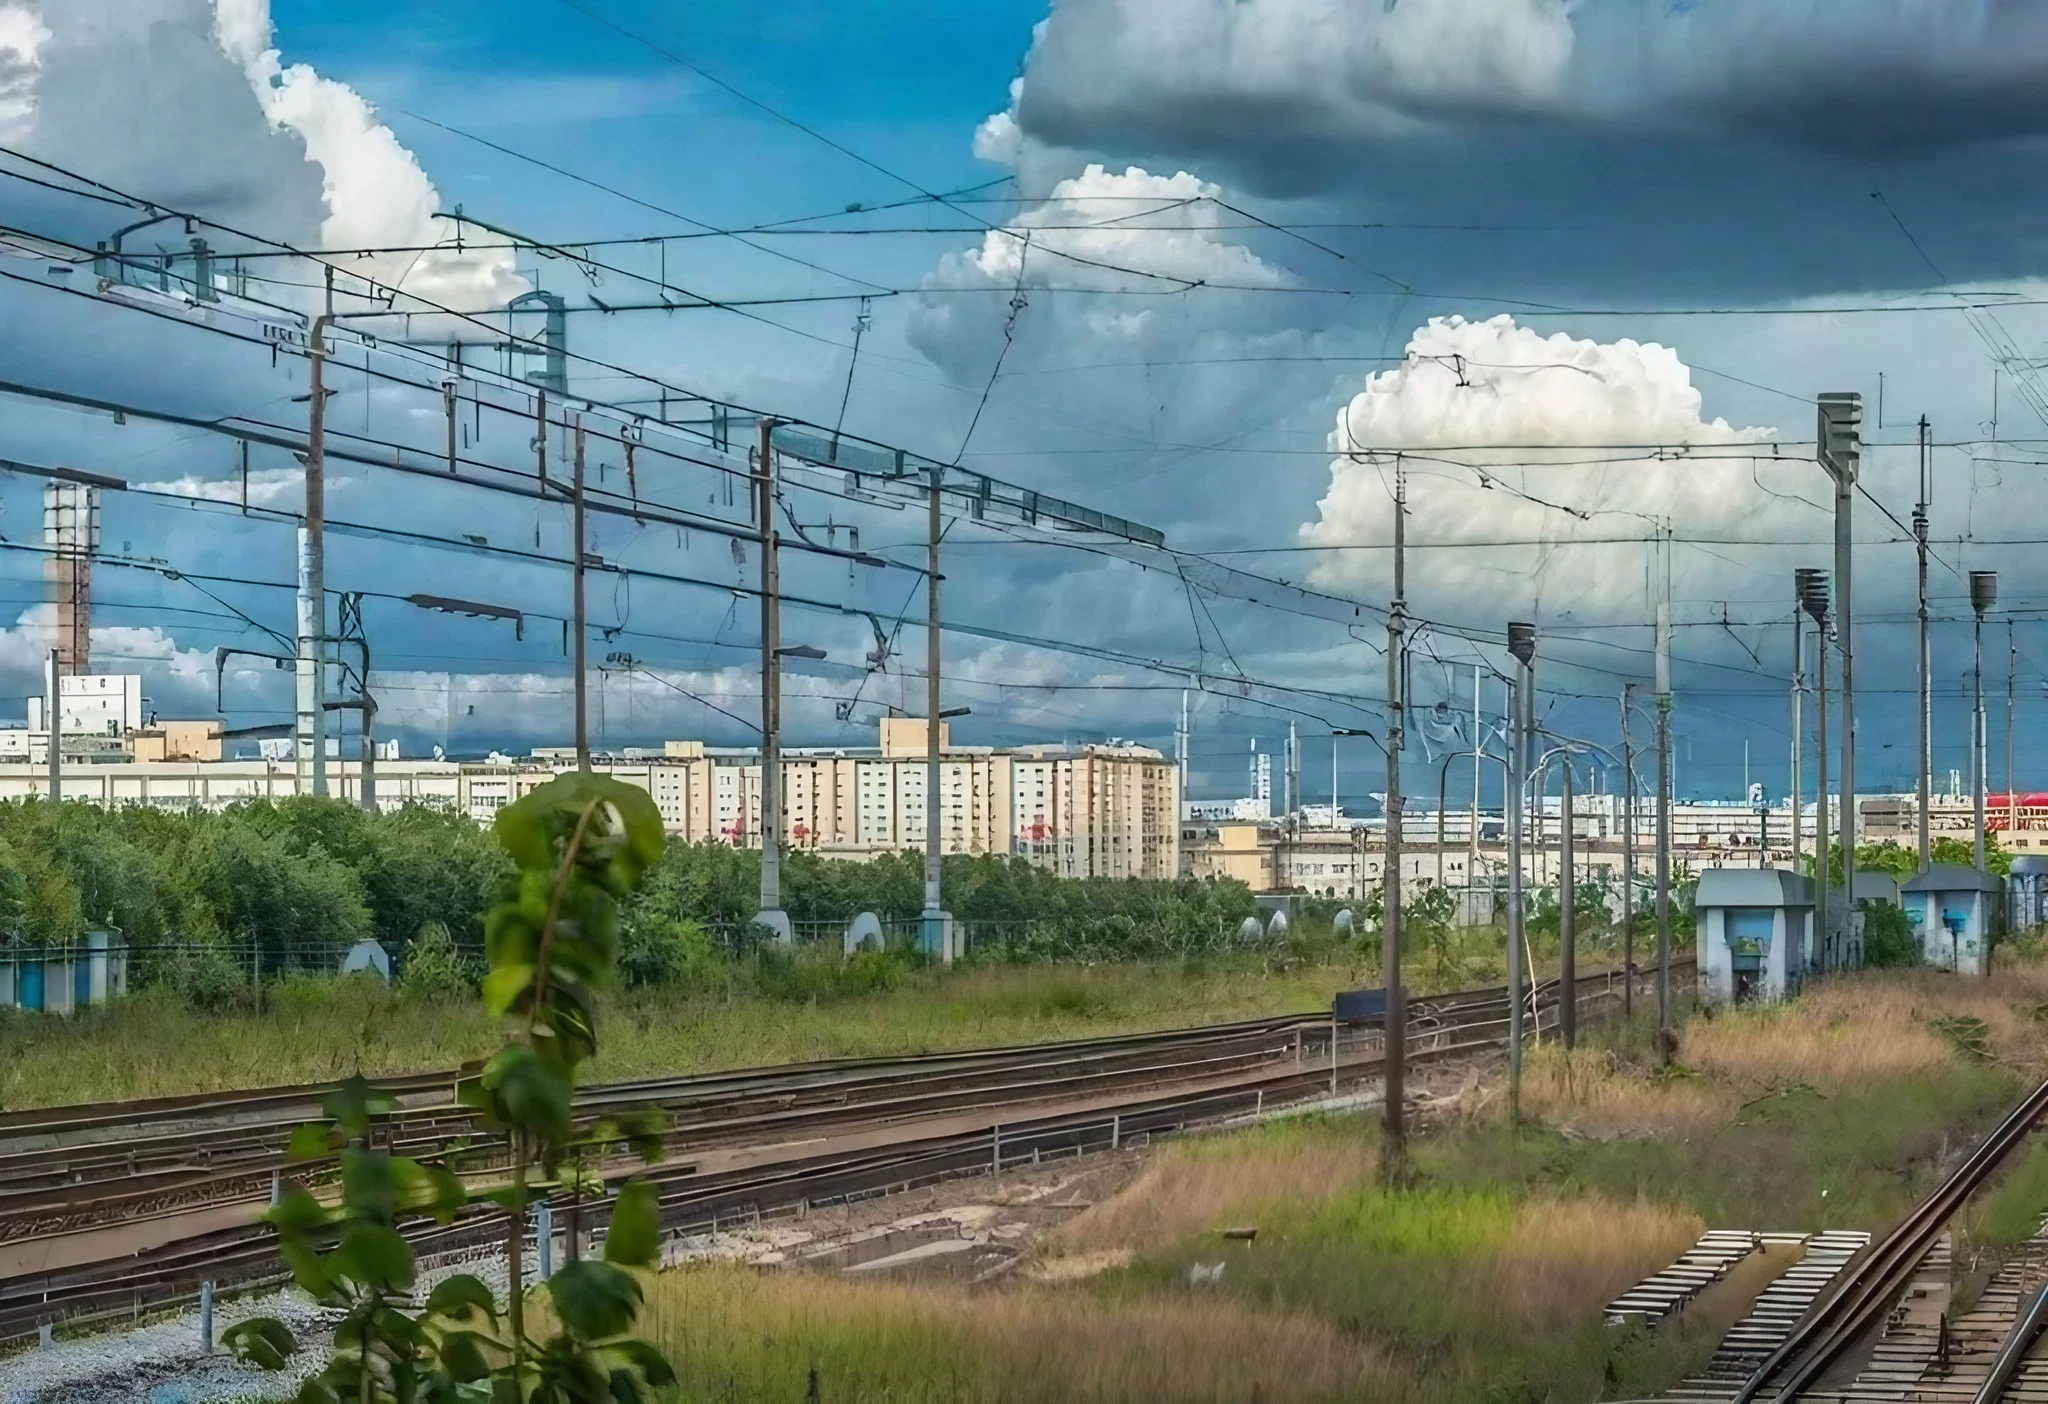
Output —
(1472, 835)
(1567, 922)
(1181, 747)
(937, 924)
(2012, 794)
(309, 732)
(581, 626)
(1811, 586)
(1666, 1037)
(53, 723)
(1798, 722)
(771, 914)
(1926, 707)
(1522, 644)
(1397, 731)
(1983, 597)
(1841, 453)
(1628, 852)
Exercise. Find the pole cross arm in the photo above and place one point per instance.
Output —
(1840, 435)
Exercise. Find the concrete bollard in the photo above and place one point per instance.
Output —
(276, 1188)
(996, 1159)
(1116, 1131)
(544, 1238)
(206, 1318)
(46, 1336)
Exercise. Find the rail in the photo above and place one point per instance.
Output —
(1137, 1086)
(1859, 1304)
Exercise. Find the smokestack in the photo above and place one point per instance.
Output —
(71, 532)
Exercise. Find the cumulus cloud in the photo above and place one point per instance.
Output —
(1100, 232)
(376, 194)
(22, 36)
(190, 103)
(1508, 435)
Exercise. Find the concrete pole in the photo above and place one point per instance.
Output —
(53, 724)
(1666, 1038)
(581, 626)
(1822, 840)
(1397, 999)
(1798, 725)
(937, 935)
(1472, 834)
(1978, 768)
(1520, 707)
(1628, 852)
(771, 914)
(1926, 707)
(2012, 666)
(310, 729)
(1567, 921)
(1845, 615)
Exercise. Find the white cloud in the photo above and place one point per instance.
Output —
(1510, 436)
(267, 487)
(22, 36)
(1165, 226)
(376, 194)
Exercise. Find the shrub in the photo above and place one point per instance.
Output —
(665, 950)
(432, 968)
(1888, 936)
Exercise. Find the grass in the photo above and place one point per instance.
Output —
(154, 1044)
(793, 1010)
(1479, 1276)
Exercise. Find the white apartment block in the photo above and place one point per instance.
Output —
(1082, 811)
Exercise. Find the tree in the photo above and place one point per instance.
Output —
(579, 845)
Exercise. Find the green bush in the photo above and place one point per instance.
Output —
(665, 950)
(433, 969)
(1888, 936)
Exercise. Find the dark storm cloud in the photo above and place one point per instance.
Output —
(1641, 149)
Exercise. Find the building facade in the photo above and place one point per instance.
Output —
(1081, 811)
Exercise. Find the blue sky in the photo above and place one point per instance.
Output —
(1620, 175)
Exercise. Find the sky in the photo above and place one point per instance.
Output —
(1573, 271)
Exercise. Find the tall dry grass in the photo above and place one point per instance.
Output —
(1598, 1093)
(1196, 1186)
(738, 1334)
(1871, 1026)
(1570, 1257)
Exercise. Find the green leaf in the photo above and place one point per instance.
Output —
(463, 1358)
(529, 1091)
(352, 1105)
(505, 984)
(634, 1237)
(376, 1256)
(595, 1299)
(638, 1355)
(310, 1142)
(427, 1188)
(262, 1341)
(296, 1210)
(452, 1296)
(317, 1391)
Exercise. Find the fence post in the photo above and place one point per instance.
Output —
(996, 1139)
(206, 1318)
(1116, 1131)
(1333, 1054)
(276, 1188)
(544, 1237)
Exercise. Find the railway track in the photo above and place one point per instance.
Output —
(743, 1145)
(1870, 1309)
